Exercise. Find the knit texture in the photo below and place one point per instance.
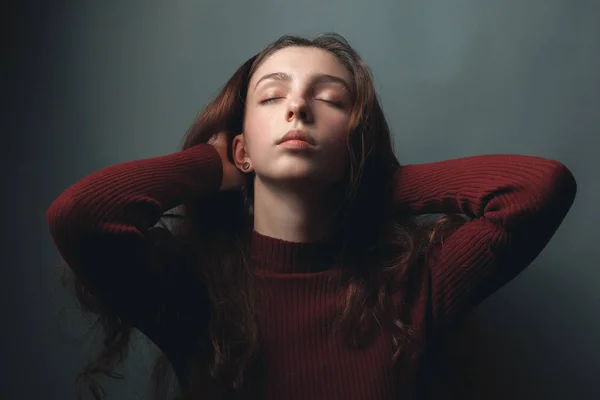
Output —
(514, 205)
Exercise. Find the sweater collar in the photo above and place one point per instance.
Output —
(281, 256)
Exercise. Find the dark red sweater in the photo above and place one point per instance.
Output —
(515, 204)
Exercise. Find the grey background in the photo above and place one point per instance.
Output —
(95, 83)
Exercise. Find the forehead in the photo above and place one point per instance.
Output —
(302, 62)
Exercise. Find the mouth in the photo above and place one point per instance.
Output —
(297, 137)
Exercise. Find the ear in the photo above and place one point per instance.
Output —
(240, 155)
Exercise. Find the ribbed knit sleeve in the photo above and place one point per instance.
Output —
(514, 204)
(101, 224)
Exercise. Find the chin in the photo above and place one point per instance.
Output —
(299, 175)
(299, 171)
(304, 176)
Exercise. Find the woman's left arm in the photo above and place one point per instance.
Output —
(514, 203)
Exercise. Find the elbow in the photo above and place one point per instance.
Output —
(555, 195)
(64, 217)
(59, 217)
(561, 187)
(58, 214)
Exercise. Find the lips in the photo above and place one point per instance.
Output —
(297, 134)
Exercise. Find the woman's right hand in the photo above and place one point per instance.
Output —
(233, 178)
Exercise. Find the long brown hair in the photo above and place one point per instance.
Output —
(376, 247)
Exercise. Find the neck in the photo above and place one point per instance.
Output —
(296, 212)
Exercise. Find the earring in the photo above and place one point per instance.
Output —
(246, 166)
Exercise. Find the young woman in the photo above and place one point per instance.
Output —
(298, 269)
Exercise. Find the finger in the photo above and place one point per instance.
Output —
(219, 137)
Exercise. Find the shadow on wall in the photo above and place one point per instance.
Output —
(468, 368)
(476, 362)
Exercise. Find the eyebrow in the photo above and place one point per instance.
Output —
(316, 79)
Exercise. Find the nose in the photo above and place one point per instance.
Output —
(299, 109)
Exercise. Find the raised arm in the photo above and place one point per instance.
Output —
(515, 204)
(102, 224)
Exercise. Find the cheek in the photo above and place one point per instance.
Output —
(257, 134)
(336, 157)
(258, 122)
(336, 130)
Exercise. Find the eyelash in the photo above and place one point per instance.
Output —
(333, 103)
(270, 100)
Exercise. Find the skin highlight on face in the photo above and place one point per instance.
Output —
(304, 94)
(305, 89)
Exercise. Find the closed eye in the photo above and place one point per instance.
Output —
(336, 104)
(270, 100)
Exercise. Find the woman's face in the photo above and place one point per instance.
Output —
(300, 89)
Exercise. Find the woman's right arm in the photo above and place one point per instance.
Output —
(102, 224)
